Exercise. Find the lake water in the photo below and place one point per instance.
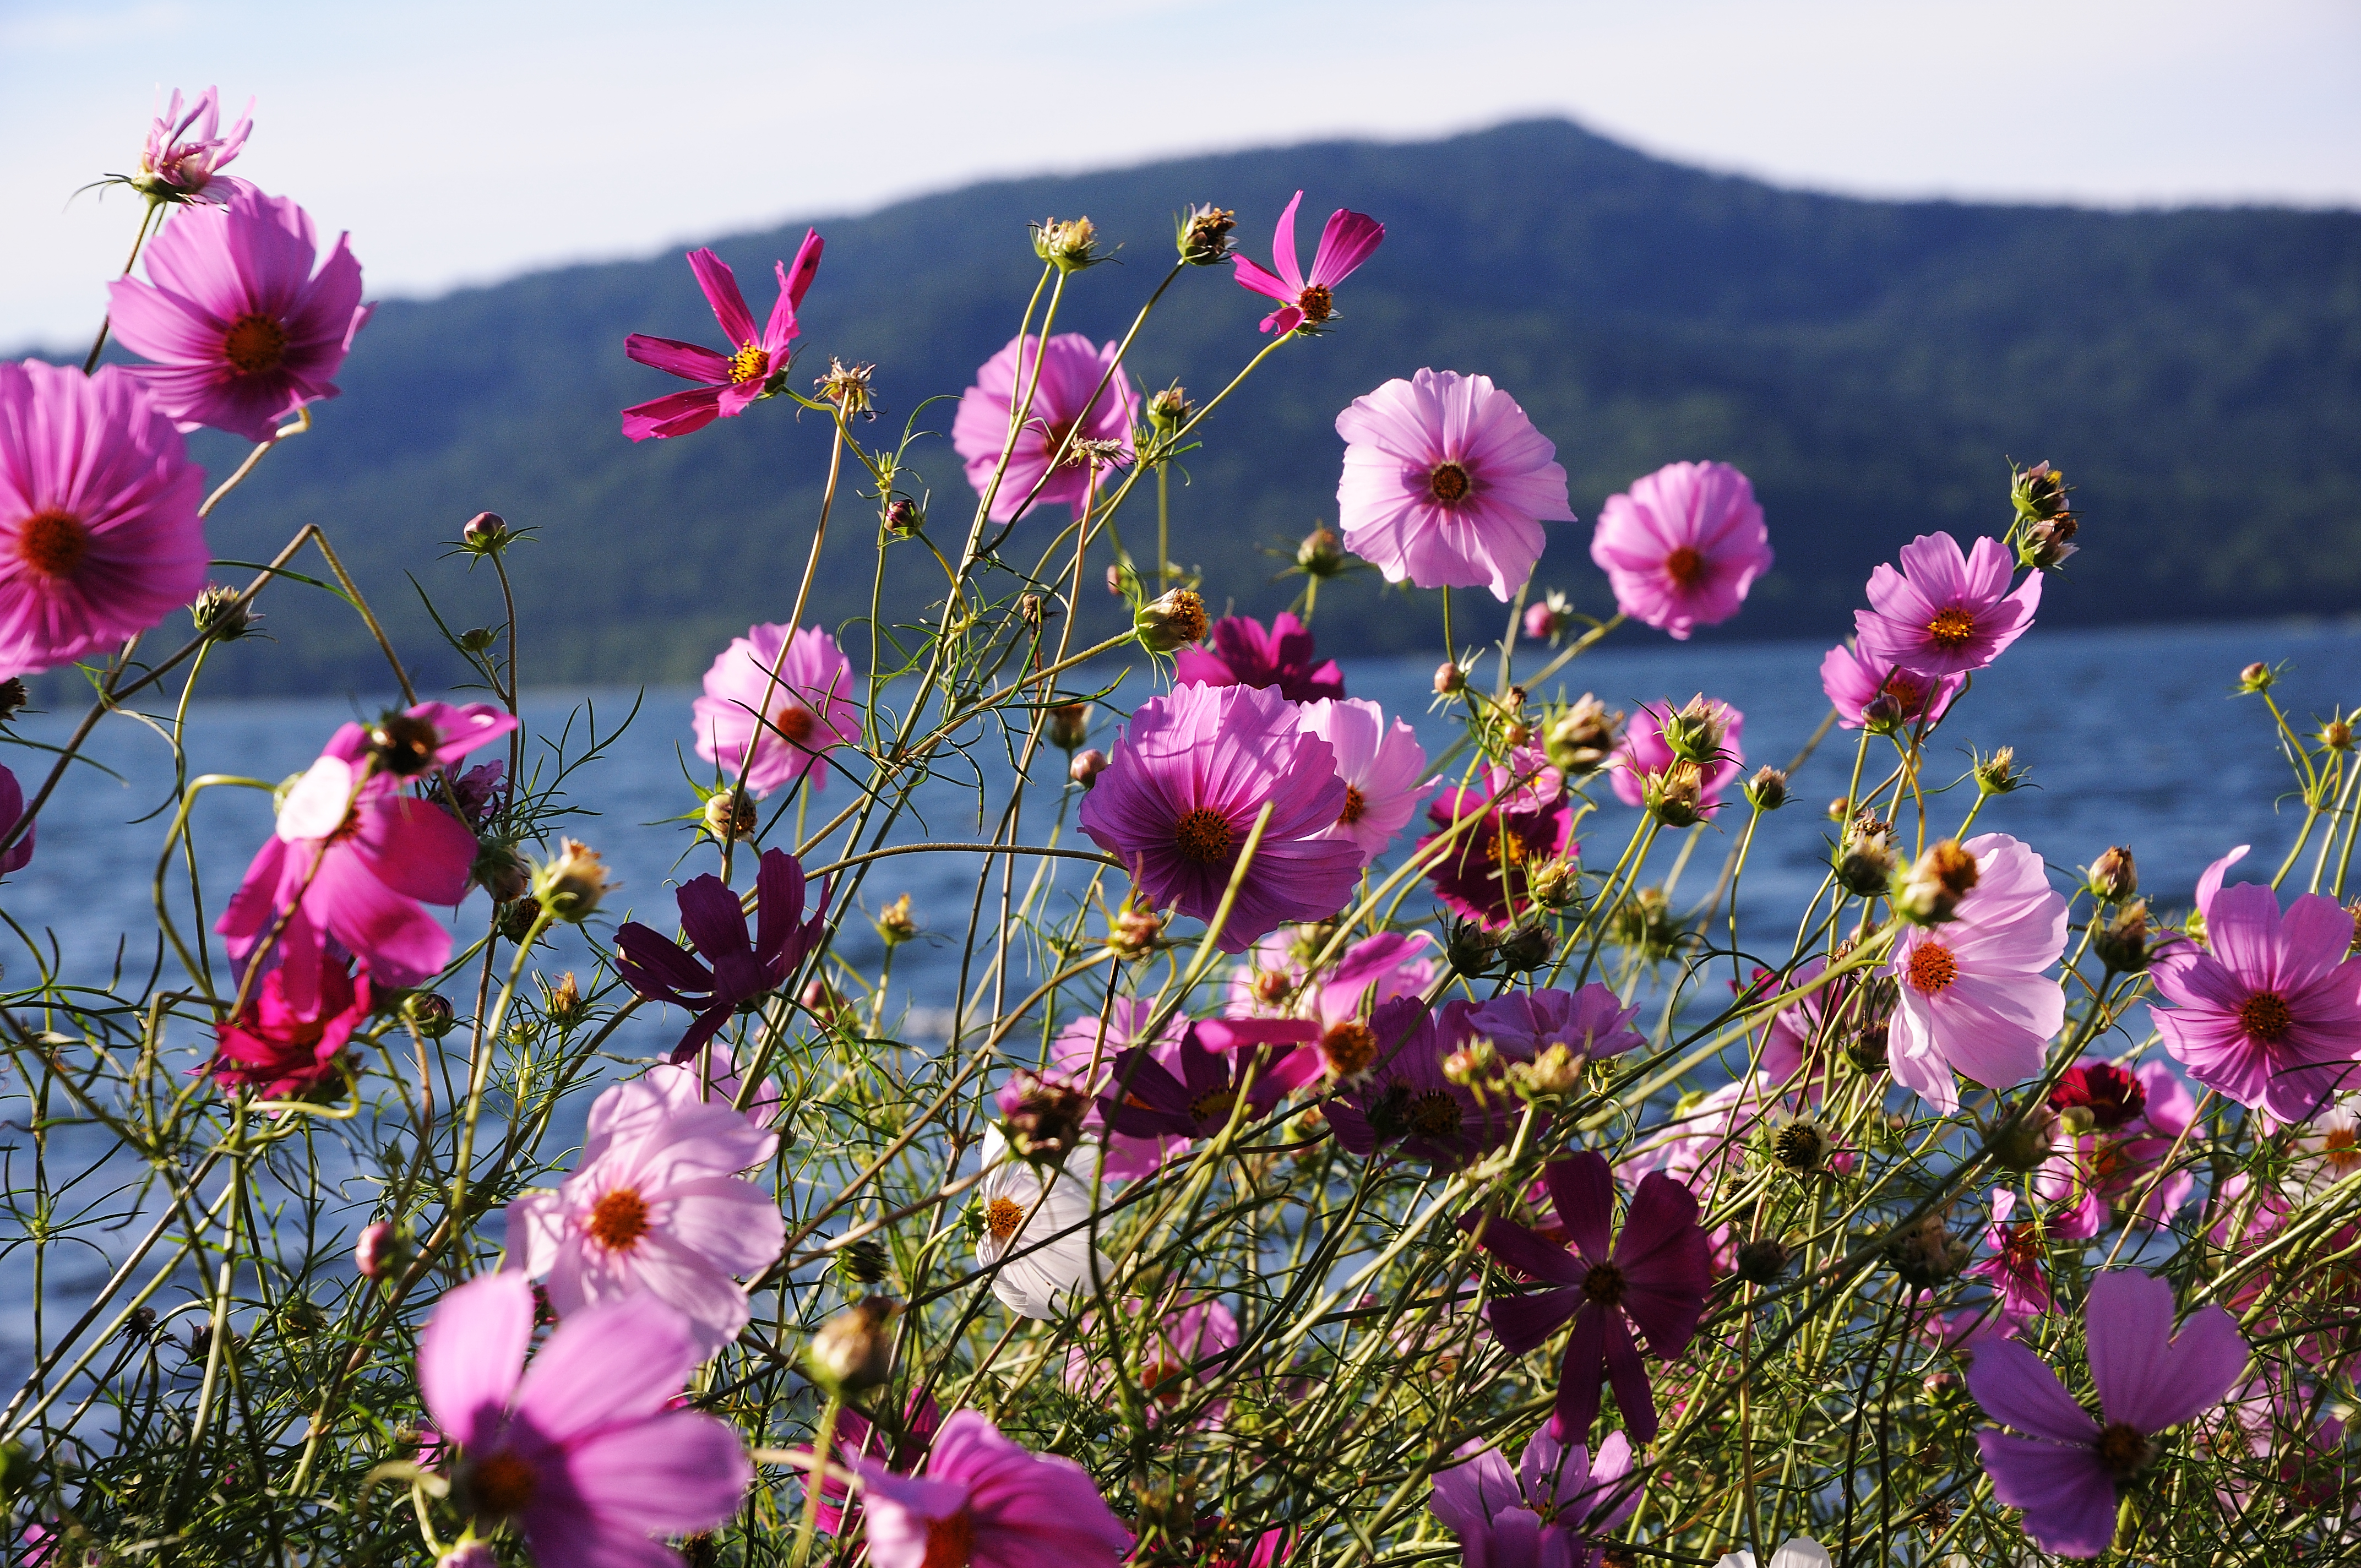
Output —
(2132, 736)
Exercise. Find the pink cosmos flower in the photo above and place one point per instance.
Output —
(1180, 796)
(241, 331)
(987, 1502)
(177, 167)
(1646, 753)
(1308, 304)
(1944, 612)
(1844, 1014)
(2137, 1120)
(283, 1053)
(1680, 547)
(2015, 1268)
(653, 964)
(1068, 402)
(2269, 1011)
(790, 696)
(353, 858)
(654, 1205)
(1974, 997)
(1527, 820)
(1404, 1099)
(18, 855)
(1374, 969)
(734, 381)
(1654, 1277)
(1380, 765)
(99, 532)
(1447, 483)
(1244, 654)
(2065, 1472)
(1854, 681)
(582, 1450)
(1550, 1512)
(1592, 1023)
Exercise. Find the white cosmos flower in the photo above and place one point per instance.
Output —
(1801, 1553)
(1024, 1206)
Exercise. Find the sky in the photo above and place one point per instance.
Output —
(464, 143)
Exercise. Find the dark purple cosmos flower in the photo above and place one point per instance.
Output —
(1344, 244)
(1244, 654)
(1526, 820)
(1591, 1023)
(653, 965)
(18, 855)
(1945, 611)
(1145, 1100)
(241, 331)
(1405, 1100)
(1654, 1279)
(730, 380)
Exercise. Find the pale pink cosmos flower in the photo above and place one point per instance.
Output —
(1552, 1511)
(1069, 401)
(2269, 1012)
(99, 532)
(352, 858)
(1447, 483)
(1974, 998)
(1381, 765)
(1681, 546)
(1854, 681)
(242, 332)
(1945, 612)
(2066, 1472)
(1646, 753)
(1308, 302)
(987, 1502)
(733, 380)
(177, 167)
(583, 1451)
(789, 697)
(656, 1205)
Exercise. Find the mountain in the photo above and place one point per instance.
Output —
(1870, 363)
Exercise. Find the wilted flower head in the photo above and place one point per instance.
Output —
(752, 369)
(175, 166)
(1306, 303)
(1582, 736)
(1203, 234)
(1067, 244)
(570, 884)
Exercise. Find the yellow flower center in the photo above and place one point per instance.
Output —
(1002, 1216)
(1215, 1106)
(750, 363)
(1952, 628)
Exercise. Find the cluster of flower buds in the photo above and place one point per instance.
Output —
(1067, 244)
(2038, 494)
(1865, 859)
(1042, 1117)
(854, 1350)
(1930, 892)
(1203, 234)
(1581, 735)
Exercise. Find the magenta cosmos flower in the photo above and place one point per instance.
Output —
(653, 964)
(1681, 546)
(1405, 1100)
(1591, 1023)
(730, 381)
(1244, 654)
(283, 1052)
(1653, 1277)
(2020, 1286)
(1549, 1512)
(789, 697)
(859, 1438)
(1646, 753)
(2268, 1012)
(987, 1502)
(353, 859)
(1854, 680)
(1382, 765)
(241, 331)
(2137, 1120)
(1309, 302)
(2066, 1472)
(583, 1451)
(177, 167)
(18, 855)
(655, 1205)
(1974, 999)
(1447, 483)
(1526, 819)
(1194, 1097)
(1944, 613)
(1068, 402)
(1180, 793)
(99, 532)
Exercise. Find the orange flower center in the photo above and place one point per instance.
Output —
(2265, 1016)
(1448, 483)
(500, 1484)
(794, 721)
(2341, 1147)
(1603, 1284)
(1932, 967)
(254, 343)
(1952, 628)
(1348, 1048)
(1903, 689)
(1685, 565)
(1162, 1378)
(52, 543)
(950, 1541)
(750, 363)
(618, 1219)
(1002, 1216)
(1356, 806)
(1205, 835)
(1316, 304)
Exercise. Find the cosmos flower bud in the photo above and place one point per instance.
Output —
(476, 638)
(1998, 773)
(14, 695)
(1767, 790)
(1927, 1253)
(1548, 619)
(905, 517)
(430, 1015)
(2113, 875)
(1086, 767)
(1471, 948)
(1449, 678)
(1171, 621)
(1694, 733)
(2039, 493)
(1168, 409)
(2257, 677)
(2025, 1142)
(1840, 808)
(571, 883)
(1940, 878)
(1134, 932)
(1673, 796)
(1883, 714)
(1557, 1070)
(864, 1262)
(1320, 553)
(854, 1349)
(894, 923)
(1762, 1260)
(1476, 1062)
(1526, 949)
(1203, 234)
(379, 1251)
(1069, 725)
(500, 870)
(2337, 733)
(1866, 862)
(819, 999)
(1067, 244)
(2044, 545)
(221, 614)
(1582, 736)
(1042, 1117)
(2122, 943)
(485, 533)
(1554, 883)
(730, 816)
(403, 744)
